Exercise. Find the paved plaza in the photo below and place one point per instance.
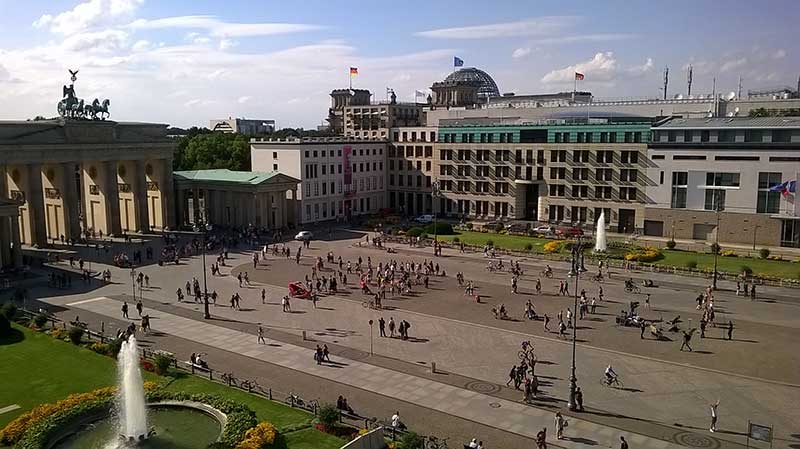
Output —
(665, 402)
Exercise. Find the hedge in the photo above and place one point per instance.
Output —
(440, 229)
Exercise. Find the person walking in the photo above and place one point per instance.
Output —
(261, 339)
(579, 398)
(546, 322)
(125, 310)
(263, 296)
(382, 326)
(139, 307)
(713, 427)
(753, 292)
(730, 329)
(687, 337)
(647, 302)
(391, 327)
(622, 443)
(642, 326)
(285, 303)
(560, 423)
(541, 439)
(512, 375)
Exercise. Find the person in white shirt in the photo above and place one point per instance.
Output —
(611, 376)
(396, 419)
(473, 443)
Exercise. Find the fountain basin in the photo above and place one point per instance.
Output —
(177, 425)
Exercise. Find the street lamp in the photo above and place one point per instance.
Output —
(435, 193)
(575, 270)
(204, 228)
(370, 336)
(716, 239)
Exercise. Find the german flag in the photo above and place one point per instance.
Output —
(353, 71)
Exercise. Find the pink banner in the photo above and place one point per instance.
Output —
(348, 169)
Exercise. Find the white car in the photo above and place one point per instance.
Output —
(304, 235)
(546, 230)
(424, 219)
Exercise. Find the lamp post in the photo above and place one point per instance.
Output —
(716, 239)
(370, 336)
(755, 229)
(434, 195)
(204, 228)
(577, 268)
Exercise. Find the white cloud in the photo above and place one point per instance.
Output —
(89, 14)
(585, 38)
(140, 46)
(779, 54)
(225, 44)
(105, 41)
(220, 29)
(521, 52)
(244, 99)
(640, 70)
(201, 40)
(538, 26)
(602, 67)
(732, 64)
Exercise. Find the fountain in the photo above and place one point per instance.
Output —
(174, 425)
(600, 243)
(131, 399)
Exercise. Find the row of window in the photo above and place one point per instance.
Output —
(411, 136)
(576, 214)
(329, 153)
(411, 151)
(605, 137)
(600, 192)
(726, 135)
(408, 180)
(729, 158)
(557, 137)
(409, 165)
(322, 211)
(767, 202)
(312, 171)
(313, 189)
(581, 156)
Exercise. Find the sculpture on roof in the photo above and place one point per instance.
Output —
(73, 107)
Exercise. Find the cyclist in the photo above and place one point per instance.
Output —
(611, 376)
(548, 271)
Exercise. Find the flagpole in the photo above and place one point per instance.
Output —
(574, 88)
(350, 74)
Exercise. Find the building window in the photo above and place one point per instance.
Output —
(580, 191)
(627, 193)
(715, 199)
(628, 175)
(605, 157)
(602, 192)
(274, 167)
(722, 179)
(680, 184)
(557, 190)
(580, 156)
(580, 174)
(604, 174)
(629, 157)
(768, 202)
(274, 155)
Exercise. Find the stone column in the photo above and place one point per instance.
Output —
(36, 209)
(140, 197)
(5, 223)
(111, 196)
(283, 207)
(167, 190)
(69, 200)
(180, 202)
(295, 207)
(195, 205)
(17, 250)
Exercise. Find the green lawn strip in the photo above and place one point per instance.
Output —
(705, 261)
(672, 258)
(310, 438)
(282, 416)
(41, 369)
(512, 242)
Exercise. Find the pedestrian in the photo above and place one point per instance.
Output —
(263, 296)
(730, 329)
(647, 302)
(560, 287)
(622, 443)
(594, 305)
(579, 398)
(642, 326)
(560, 423)
(139, 307)
(512, 376)
(713, 427)
(541, 439)
(753, 292)
(314, 299)
(318, 355)
(391, 327)
(261, 339)
(687, 337)
(703, 324)
(546, 322)
(285, 303)
(326, 354)
(125, 310)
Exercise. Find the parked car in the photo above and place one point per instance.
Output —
(424, 219)
(570, 232)
(544, 230)
(304, 236)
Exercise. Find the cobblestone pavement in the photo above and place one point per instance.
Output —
(463, 339)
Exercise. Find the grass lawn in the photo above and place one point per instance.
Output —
(512, 242)
(37, 369)
(782, 269)
(762, 267)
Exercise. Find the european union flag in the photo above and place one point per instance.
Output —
(458, 62)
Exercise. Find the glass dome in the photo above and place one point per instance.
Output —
(488, 88)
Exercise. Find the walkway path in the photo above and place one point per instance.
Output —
(506, 415)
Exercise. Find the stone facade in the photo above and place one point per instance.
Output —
(79, 177)
(681, 224)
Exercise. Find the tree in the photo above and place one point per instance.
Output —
(200, 150)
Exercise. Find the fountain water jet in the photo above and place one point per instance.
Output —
(131, 400)
(600, 243)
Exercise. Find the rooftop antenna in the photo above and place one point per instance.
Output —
(666, 81)
(689, 80)
(739, 96)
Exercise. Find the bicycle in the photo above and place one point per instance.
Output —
(229, 379)
(632, 288)
(613, 383)
(370, 304)
(547, 273)
(436, 443)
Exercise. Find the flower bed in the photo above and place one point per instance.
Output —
(262, 436)
(35, 429)
(648, 254)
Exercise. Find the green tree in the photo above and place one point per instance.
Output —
(201, 151)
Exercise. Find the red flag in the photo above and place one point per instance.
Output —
(579, 76)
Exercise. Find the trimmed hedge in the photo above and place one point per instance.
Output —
(416, 231)
(440, 229)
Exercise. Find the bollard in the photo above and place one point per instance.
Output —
(304, 335)
(270, 394)
(433, 367)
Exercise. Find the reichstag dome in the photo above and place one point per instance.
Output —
(488, 88)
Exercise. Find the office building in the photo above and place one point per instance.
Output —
(725, 169)
(248, 127)
(410, 169)
(338, 177)
(559, 171)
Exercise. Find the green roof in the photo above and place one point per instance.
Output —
(225, 175)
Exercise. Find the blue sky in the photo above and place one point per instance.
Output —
(184, 62)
